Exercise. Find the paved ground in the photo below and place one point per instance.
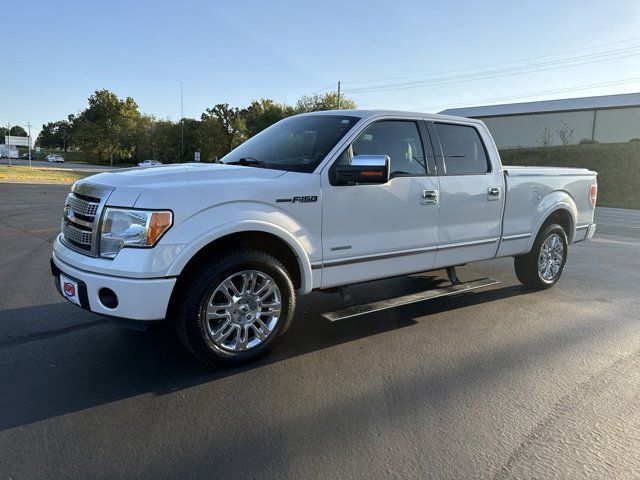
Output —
(78, 167)
(502, 383)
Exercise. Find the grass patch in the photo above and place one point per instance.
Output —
(38, 175)
(617, 164)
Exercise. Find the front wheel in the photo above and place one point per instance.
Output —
(235, 308)
(542, 267)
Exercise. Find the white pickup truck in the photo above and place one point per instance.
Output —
(315, 202)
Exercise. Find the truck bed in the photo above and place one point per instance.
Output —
(533, 192)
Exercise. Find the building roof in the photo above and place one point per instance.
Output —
(562, 105)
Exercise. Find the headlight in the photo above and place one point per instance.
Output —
(131, 228)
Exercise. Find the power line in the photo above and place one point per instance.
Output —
(492, 64)
(490, 74)
(532, 94)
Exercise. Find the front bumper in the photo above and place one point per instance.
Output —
(138, 299)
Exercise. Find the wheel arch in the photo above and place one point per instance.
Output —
(558, 207)
(262, 235)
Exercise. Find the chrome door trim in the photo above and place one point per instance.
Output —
(402, 253)
(472, 243)
(377, 256)
(518, 236)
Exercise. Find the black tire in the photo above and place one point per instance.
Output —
(194, 294)
(526, 266)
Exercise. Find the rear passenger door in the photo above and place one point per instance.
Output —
(471, 190)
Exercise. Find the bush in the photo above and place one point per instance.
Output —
(587, 141)
(635, 140)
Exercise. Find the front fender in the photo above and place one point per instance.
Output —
(219, 231)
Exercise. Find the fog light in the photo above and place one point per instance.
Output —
(108, 298)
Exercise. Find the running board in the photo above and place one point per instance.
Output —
(358, 310)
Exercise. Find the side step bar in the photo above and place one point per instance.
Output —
(358, 310)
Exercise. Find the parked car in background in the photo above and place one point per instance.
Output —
(25, 156)
(149, 163)
(54, 158)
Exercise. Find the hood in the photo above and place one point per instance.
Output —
(130, 183)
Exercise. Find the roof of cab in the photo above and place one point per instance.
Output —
(362, 113)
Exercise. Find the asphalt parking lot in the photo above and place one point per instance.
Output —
(501, 383)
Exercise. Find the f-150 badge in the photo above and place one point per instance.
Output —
(300, 199)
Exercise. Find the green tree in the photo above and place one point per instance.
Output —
(231, 122)
(213, 137)
(263, 113)
(192, 144)
(325, 101)
(16, 131)
(55, 135)
(107, 127)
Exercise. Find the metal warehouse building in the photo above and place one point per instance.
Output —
(605, 119)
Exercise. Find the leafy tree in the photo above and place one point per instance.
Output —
(263, 113)
(55, 135)
(213, 139)
(326, 101)
(16, 131)
(107, 127)
(192, 144)
(231, 121)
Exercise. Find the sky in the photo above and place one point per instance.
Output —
(407, 55)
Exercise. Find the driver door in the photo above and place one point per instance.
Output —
(382, 230)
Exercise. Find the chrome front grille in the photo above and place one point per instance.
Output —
(82, 206)
(81, 217)
(75, 235)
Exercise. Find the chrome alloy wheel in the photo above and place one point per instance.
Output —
(243, 310)
(551, 257)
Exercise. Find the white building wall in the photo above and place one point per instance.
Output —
(521, 131)
(617, 125)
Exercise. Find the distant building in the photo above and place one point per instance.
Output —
(605, 119)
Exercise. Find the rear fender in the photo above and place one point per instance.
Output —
(553, 202)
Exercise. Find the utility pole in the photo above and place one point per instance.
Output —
(9, 142)
(29, 141)
(181, 126)
(338, 94)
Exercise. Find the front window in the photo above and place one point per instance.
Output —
(296, 143)
(400, 140)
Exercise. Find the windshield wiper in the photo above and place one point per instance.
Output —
(248, 162)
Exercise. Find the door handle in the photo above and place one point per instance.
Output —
(493, 193)
(429, 197)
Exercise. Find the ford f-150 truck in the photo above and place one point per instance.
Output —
(315, 202)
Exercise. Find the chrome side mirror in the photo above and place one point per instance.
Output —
(364, 170)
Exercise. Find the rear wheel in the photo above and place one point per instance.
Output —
(236, 308)
(542, 267)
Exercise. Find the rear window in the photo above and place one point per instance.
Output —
(463, 150)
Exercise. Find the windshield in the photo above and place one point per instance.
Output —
(295, 143)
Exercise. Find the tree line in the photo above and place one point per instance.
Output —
(111, 129)
(16, 131)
